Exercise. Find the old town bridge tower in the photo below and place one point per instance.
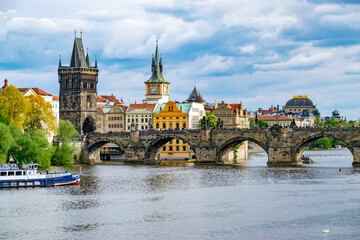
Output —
(78, 89)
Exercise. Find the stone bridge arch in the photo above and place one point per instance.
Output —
(299, 147)
(92, 146)
(231, 143)
(152, 153)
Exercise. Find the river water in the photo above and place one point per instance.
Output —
(249, 201)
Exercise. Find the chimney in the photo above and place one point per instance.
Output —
(5, 83)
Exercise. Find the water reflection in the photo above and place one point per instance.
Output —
(247, 201)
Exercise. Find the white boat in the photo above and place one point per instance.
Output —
(12, 176)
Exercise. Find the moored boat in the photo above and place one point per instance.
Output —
(12, 176)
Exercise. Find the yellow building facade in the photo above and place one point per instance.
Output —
(173, 116)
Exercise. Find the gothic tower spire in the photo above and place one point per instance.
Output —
(78, 89)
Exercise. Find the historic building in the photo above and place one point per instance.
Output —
(336, 115)
(110, 118)
(140, 116)
(298, 104)
(156, 88)
(283, 121)
(103, 100)
(78, 89)
(232, 115)
(195, 96)
(173, 116)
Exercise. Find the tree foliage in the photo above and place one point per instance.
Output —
(262, 123)
(6, 142)
(67, 131)
(40, 115)
(318, 122)
(15, 106)
(251, 123)
(63, 155)
(3, 119)
(33, 147)
(212, 120)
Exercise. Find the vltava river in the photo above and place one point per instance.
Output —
(251, 201)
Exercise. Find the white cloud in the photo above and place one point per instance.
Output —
(353, 69)
(248, 49)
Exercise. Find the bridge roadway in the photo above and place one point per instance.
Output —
(284, 146)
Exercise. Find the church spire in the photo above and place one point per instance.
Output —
(78, 58)
(60, 61)
(88, 58)
(157, 67)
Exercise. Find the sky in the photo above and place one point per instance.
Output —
(257, 52)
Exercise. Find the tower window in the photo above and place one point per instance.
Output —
(88, 102)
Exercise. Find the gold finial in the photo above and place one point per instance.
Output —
(81, 33)
(75, 32)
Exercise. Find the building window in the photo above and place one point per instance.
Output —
(177, 141)
(170, 148)
(177, 149)
(164, 125)
(128, 120)
(157, 125)
(164, 148)
(184, 148)
(184, 125)
(137, 120)
(177, 125)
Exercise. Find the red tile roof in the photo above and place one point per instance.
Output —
(112, 98)
(56, 98)
(100, 110)
(150, 106)
(280, 118)
(41, 92)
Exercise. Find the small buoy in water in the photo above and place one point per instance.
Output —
(339, 169)
(326, 230)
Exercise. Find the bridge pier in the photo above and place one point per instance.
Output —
(356, 154)
(281, 156)
(135, 155)
(87, 157)
(206, 155)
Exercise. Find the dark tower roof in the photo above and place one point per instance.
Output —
(78, 58)
(157, 67)
(195, 96)
(88, 59)
(300, 101)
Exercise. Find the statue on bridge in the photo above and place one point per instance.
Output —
(219, 123)
(293, 123)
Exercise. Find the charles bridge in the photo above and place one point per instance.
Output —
(284, 146)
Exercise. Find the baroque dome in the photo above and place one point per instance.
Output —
(299, 101)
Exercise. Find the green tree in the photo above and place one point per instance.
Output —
(40, 115)
(6, 142)
(323, 143)
(262, 123)
(353, 123)
(15, 106)
(212, 120)
(252, 123)
(63, 154)
(318, 122)
(67, 131)
(33, 147)
(3, 119)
